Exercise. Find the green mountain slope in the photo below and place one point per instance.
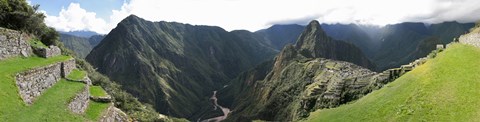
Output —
(301, 78)
(173, 66)
(79, 45)
(443, 89)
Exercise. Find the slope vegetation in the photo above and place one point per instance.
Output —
(174, 66)
(443, 89)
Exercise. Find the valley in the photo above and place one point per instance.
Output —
(239, 61)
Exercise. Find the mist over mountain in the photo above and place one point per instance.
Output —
(391, 45)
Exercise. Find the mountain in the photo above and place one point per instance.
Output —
(280, 35)
(302, 78)
(361, 36)
(79, 45)
(387, 47)
(95, 40)
(401, 42)
(442, 89)
(84, 34)
(173, 66)
(314, 42)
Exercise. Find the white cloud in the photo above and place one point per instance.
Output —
(257, 14)
(76, 18)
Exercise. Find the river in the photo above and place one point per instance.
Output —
(225, 111)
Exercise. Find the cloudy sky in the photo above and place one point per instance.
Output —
(103, 15)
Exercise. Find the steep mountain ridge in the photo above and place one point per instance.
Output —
(300, 79)
(173, 66)
(389, 46)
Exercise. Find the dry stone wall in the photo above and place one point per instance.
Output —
(114, 114)
(13, 43)
(67, 67)
(471, 39)
(32, 83)
(51, 51)
(79, 104)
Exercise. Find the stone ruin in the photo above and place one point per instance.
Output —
(32, 83)
(471, 39)
(13, 43)
(51, 51)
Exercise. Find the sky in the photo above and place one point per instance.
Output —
(103, 15)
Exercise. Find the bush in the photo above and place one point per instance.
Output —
(18, 15)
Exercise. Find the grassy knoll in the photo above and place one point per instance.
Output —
(443, 89)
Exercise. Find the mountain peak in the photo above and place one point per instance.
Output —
(310, 36)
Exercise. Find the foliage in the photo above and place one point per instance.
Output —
(443, 89)
(123, 100)
(18, 15)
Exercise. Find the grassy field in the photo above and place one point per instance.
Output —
(97, 91)
(51, 105)
(95, 110)
(77, 75)
(444, 89)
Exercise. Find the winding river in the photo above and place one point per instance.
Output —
(225, 111)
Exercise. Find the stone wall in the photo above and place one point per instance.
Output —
(114, 114)
(79, 104)
(471, 39)
(32, 83)
(13, 43)
(67, 67)
(51, 51)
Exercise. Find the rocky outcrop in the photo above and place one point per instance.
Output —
(315, 43)
(51, 51)
(471, 39)
(33, 82)
(13, 43)
(114, 114)
(79, 104)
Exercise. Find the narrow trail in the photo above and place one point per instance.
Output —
(225, 111)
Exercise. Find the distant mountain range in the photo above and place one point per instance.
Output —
(81, 46)
(175, 67)
(387, 47)
(84, 34)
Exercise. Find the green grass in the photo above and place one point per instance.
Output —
(9, 97)
(97, 91)
(446, 88)
(36, 43)
(95, 110)
(76, 75)
(50, 106)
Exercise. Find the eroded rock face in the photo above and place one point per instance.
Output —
(13, 43)
(79, 104)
